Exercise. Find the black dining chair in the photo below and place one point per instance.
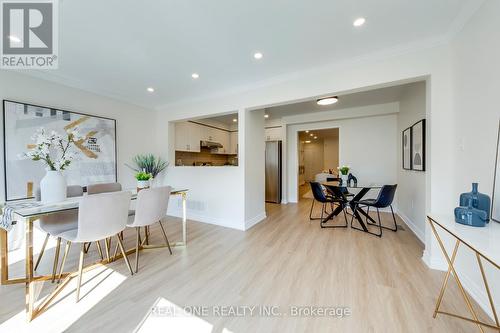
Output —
(384, 200)
(325, 199)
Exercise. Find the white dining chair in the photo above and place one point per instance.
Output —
(55, 224)
(151, 208)
(100, 216)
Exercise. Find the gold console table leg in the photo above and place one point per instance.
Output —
(452, 271)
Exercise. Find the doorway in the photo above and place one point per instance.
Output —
(318, 152)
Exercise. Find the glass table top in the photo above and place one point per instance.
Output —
(31, 208)
(362, 185)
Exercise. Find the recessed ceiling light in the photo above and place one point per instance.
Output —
(359, 22)
(327, 100)
(15, 39)
(307, 141)
(235, 120)
(307, 131)
(266, 116)
(258, 55)
(150, 89)
(311, 135)
(195, 75)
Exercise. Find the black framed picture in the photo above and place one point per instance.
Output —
(96, 161)
(418, 146)
(406, 144)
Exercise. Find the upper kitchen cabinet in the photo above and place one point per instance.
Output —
(207, 142)
(187, 137)
(274, 133)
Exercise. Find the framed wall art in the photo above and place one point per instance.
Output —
(418, 146)
(96, 161)
(406, 144)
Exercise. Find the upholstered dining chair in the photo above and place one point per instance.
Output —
(103, 188)
(151, 208)
(97, 224)
(320, 195)
(384, 200)
(56, 224)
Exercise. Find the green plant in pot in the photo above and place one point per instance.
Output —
(143, 179)
(148, 163)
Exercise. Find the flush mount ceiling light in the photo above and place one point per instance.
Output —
(150, 89)
(195, 76)
(15, 39)
(235, 120)
(266, 116)
(359, 22)
(258, 55)
(327, 100)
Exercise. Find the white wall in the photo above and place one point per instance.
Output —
(254, 150)
(133, 123)
(476, 82)
(331, 154)
(313, 159)
(367, 144)
(411, 184)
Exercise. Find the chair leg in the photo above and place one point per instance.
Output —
(311, 211)
(394, 219)
(98, 244)
(42, 251)
(137, 244)
(165, 236)
(87, 247)
(66, 251)
(80, 273)
(124, 254)
(56, 258)
(379, 224)
(345, 215)
(107, 244)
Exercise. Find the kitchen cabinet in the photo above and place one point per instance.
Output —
(187, 137)
(273, 134)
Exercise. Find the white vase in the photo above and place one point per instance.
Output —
(53, 187)
(142, 184)
(344, 178)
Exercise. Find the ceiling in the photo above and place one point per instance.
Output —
(121, 47)
(364, 98)
(227, 119)
(332, 133)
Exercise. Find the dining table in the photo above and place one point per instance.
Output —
(28, 211)
(341, 191)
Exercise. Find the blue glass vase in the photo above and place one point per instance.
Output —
(470, 216)
(479, 200)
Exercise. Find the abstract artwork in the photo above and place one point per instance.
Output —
(418, 146)
(96, 161)
(495, 211)
(406, 143)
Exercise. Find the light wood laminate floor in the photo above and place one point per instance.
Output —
(285, 260)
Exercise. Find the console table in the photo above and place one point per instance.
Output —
(485, 243)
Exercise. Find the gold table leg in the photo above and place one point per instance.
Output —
(4, 257)
(29, 289)
(451, 270)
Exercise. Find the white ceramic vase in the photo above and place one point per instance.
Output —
(143, 184)
(344, 178)
(53, 187)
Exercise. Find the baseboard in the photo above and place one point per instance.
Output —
(209, 219)
(434, 263)
(413, 227)
(254, 220)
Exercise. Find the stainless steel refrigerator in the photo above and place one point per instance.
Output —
(273, 171)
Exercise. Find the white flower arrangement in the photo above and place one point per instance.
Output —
(54, 149)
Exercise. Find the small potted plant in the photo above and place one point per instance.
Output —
(142, 180)
(344, 172)
(149, 163)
